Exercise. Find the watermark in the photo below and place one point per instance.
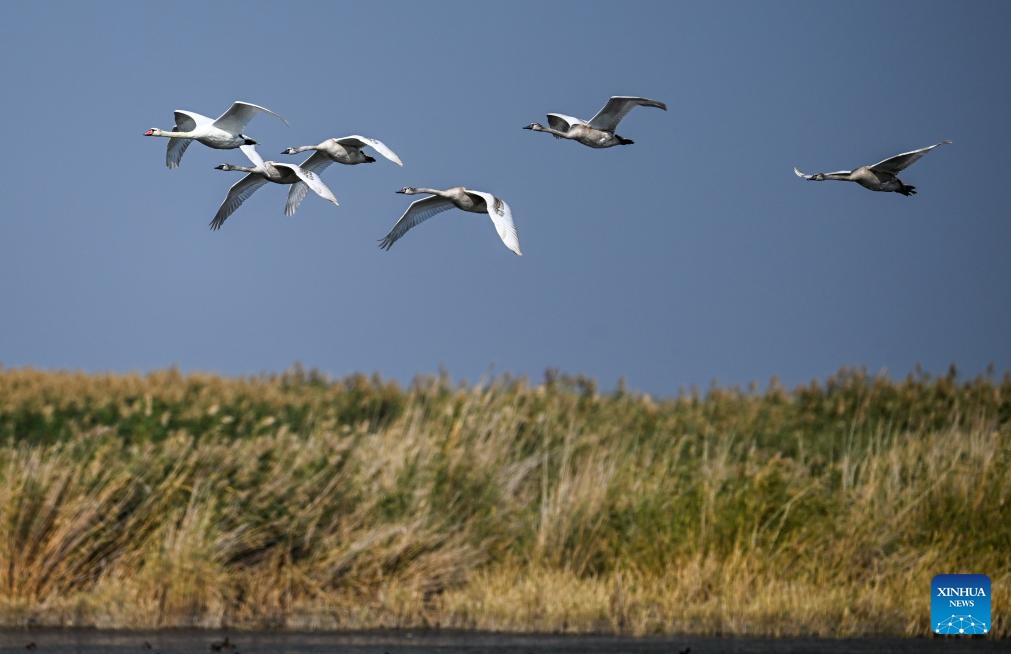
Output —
(960, 604)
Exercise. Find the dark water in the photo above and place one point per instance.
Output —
(79, 641)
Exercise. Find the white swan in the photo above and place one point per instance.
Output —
(261, 173)
(461, 198)
(345, 150)
(598, 132)
(882, 176)
(222, 133)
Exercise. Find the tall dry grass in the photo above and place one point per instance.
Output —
(298, 501)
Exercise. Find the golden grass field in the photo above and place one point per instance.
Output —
(302, 502)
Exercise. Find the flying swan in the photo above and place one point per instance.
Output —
(599, 131)
(882, 176)
(345, 150)
(261, 173)
(461, 198)
(222, 133)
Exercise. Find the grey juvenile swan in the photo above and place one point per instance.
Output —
(345, 150)
(221, 133)
(261, 173)
(461, 198)
(882, 176)
(599, 131)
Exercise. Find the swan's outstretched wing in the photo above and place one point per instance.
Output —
(239, 114)
(174, 151)
(562, 123)
(502, 216)
(186, 121)
(797, 172)
(902, 161)
(297, 191)
(607, 119)
(417, 213)
(317, 161)
(253, 156)
(361, 141)
(240, 190)
(309, 179)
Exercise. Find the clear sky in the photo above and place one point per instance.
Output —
(693, 256)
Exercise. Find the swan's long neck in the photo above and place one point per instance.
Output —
(550, 130)
(841, 177)
(172, 135)
(432, 191)
(241, 169)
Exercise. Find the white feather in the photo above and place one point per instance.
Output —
(502, 217)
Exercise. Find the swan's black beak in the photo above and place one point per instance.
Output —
(528, 127)
(219, 167)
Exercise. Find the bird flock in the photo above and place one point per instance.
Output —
(226, 133)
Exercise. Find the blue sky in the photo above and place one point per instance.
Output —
(693, 256)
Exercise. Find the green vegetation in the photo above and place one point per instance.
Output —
(297, 501)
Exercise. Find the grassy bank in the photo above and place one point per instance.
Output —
(296, 501)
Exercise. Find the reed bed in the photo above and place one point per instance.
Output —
(299, 501)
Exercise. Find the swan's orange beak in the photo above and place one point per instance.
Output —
(149, 132)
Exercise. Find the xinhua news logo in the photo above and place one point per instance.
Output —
(960, 604)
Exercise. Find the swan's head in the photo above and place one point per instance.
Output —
(818, 177)
(408, 190)
(154, 131)
(288, 151)
(222, 167)
(535, 126)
